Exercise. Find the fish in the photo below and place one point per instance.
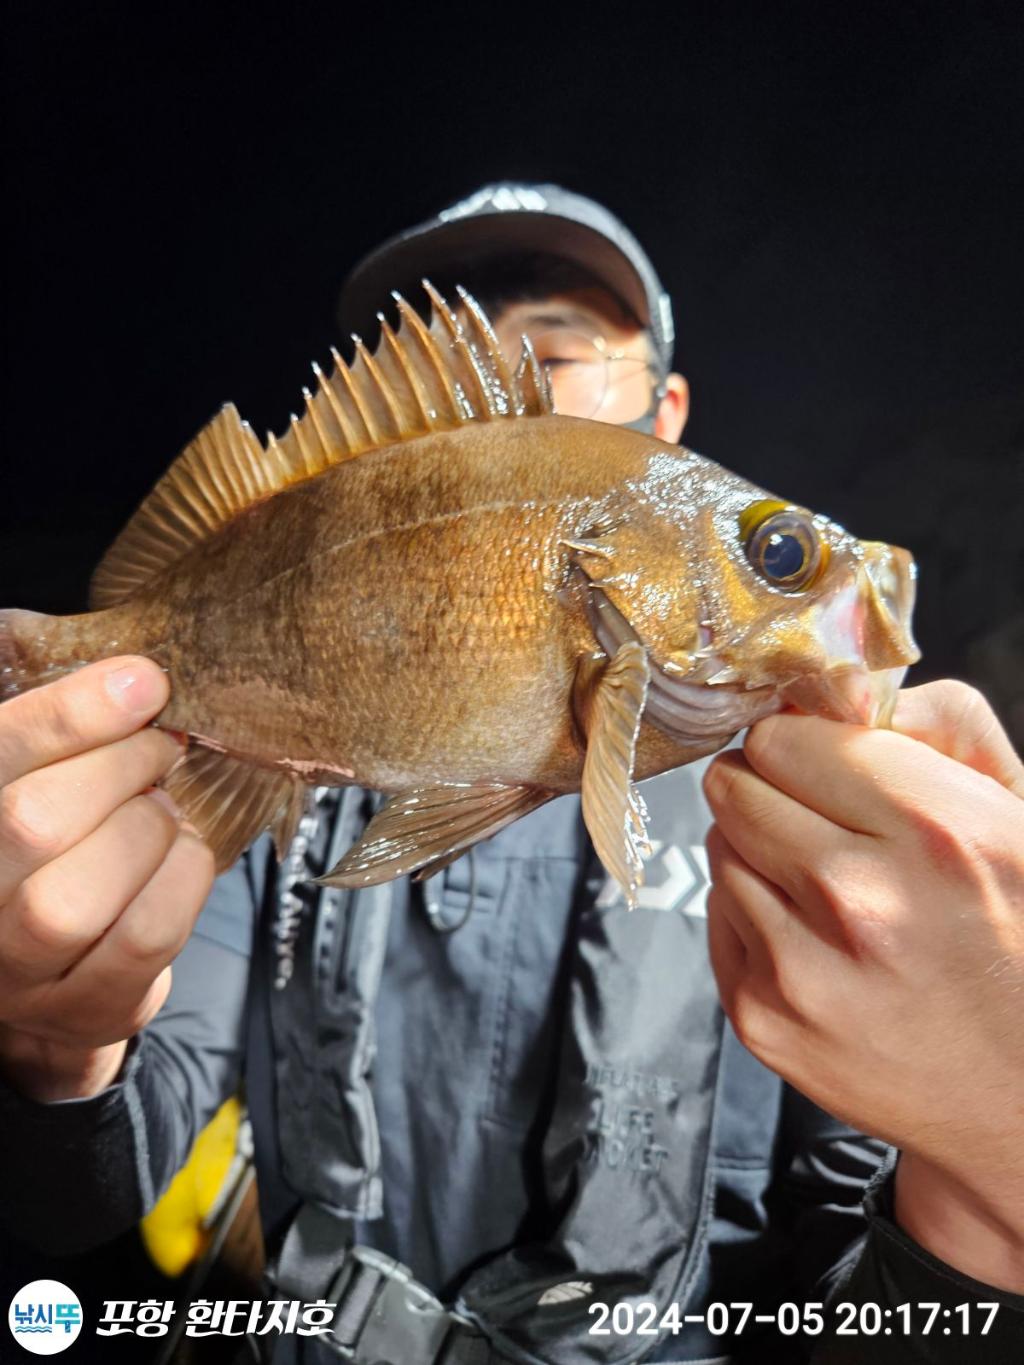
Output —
(434, 586)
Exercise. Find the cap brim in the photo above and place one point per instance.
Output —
(461, 248)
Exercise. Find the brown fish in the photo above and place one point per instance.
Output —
(435, 587)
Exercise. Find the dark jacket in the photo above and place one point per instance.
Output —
(547, 1095)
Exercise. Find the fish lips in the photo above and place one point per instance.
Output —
(864, 627)
(855, 695)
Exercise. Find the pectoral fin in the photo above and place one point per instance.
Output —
(431, 826)
(610, 711)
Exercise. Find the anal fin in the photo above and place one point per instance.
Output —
(431, 826)
(285, 823)
(230, 801)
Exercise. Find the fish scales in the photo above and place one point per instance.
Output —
(474, 617)
(420, 558)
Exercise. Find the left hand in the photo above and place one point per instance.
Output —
(866, 926)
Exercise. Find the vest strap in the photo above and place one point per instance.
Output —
(323, 1006)
(383, 1316)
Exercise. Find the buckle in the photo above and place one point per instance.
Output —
(405, 1325)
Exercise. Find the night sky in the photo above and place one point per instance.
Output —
(834, 196)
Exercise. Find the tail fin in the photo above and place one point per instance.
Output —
(32, 651)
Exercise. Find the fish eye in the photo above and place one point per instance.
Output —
(783, 545)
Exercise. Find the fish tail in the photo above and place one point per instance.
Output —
(22, 654)
(37, 649)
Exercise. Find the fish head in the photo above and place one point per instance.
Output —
(765, 605)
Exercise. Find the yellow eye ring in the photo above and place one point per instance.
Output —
(783, 545)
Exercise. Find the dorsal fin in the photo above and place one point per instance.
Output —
(420, 379)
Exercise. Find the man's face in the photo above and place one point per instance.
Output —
(599, 362)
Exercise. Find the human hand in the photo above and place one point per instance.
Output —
(99, 884)
(866, 927)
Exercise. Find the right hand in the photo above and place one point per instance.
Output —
(99, 883)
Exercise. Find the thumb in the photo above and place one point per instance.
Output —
(956, 720)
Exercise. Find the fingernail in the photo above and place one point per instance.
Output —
(160, 796)
(136, 689)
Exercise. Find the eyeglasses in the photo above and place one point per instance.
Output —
(589, 379)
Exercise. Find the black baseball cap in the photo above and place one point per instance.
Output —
(505, 219)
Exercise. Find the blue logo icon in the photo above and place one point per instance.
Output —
(45, 1317)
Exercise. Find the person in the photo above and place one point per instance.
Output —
(500, 1079)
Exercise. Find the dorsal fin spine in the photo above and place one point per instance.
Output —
(425, 377)
(408, 373)
(492, 347)
(532, 381)
(322, 435)
(485, 408)
(277, 458)
(374, 434)
(433, 357)
(300, 434)
(331, 412)
(343, 376)
(330, 389)
(386, 397)
(292, 451)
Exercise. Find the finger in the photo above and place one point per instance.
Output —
(759, 910)
(50, 810)
(121, 969)
(768, 960)
(855, 777)
(96, 705)
(957, 721)
(720, 853)
(92, 1021)
(782, 840)
(57, 914)
(728, 953)
(759, 947)
(876, 782)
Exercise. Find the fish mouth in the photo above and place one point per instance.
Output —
(865, 630)
(690, 709)
(854, 695)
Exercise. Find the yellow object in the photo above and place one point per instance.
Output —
(175, 1229)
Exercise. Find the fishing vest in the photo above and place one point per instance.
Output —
(625, 1175)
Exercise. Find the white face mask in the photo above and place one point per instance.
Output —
(645, 422)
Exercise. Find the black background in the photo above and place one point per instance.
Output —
(833, 194)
